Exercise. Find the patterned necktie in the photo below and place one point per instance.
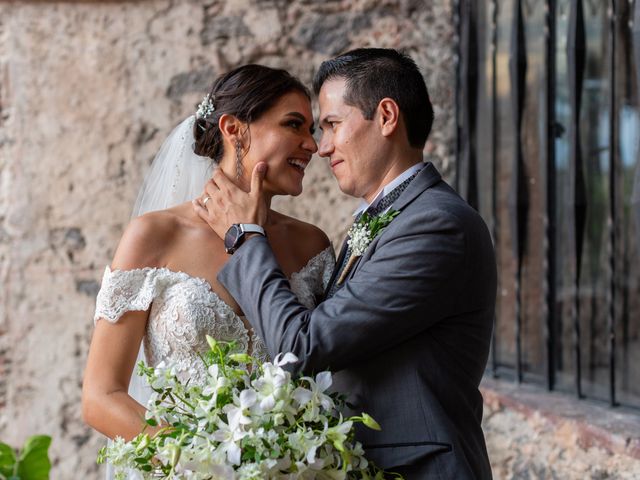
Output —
(384, 203)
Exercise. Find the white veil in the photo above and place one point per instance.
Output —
(177, 175)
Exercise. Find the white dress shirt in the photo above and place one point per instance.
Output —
(388, 187)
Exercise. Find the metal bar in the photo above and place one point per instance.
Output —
(576, 53)
(611, 221)
(548, 152)
(494, 153)
(518, 201)
(467, 178)
(627, 319)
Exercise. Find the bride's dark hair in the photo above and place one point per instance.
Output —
(246, 93)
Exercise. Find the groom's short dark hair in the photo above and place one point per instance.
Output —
(372, 74)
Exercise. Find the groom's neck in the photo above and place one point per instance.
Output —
(394, 169)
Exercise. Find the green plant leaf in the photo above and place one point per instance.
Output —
(33, 463)
(7, 460)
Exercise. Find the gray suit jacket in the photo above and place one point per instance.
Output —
(407, 335)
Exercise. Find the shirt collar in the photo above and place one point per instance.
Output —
(388, 187)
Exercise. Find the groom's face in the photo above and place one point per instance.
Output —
(352, 143)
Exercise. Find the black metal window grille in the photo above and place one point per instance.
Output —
(548, 141)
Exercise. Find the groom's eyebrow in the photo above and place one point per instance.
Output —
(324, 121)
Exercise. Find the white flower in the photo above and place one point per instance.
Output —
(250, 471)
(241, 423)
(230, 434)
(214, 381)
(119, 453)
(359, 239)
(305, 444)
(338, 434)
(206, 107)
(366, 229)
(271, 385)
(285, 359)
(314, 398)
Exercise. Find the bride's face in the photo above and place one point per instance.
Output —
(283, 138)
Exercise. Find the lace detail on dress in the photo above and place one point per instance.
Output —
(184, 309)
(309, 283)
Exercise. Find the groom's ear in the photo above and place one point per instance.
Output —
(388, 116)
(231, 127)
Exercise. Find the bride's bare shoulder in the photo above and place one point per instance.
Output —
(308, 237)
(146, 240)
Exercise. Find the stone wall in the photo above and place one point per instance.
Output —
(88, 91)
(533, 434)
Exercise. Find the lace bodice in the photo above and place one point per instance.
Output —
(184, 309)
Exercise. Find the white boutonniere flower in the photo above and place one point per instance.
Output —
(362, 233)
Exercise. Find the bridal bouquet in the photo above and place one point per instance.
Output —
(246, 421)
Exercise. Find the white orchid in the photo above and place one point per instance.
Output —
(271, 385)
(214, 381)
(313, 398)
(120, 452)
(246, 421)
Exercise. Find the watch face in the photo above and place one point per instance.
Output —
(231, 237)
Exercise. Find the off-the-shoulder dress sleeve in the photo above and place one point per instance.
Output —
(128, 290)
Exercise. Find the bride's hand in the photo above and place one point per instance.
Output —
(224, 204)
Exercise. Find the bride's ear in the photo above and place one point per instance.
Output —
(231, 128)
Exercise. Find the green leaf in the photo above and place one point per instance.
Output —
(34, 463)
(152, 422)
(7, 459)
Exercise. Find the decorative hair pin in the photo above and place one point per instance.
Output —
(206, 108)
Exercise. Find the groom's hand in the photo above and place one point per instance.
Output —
(227, 204)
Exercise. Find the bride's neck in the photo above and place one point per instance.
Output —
(244, 181)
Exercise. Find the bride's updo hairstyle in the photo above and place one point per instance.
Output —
(246, 93)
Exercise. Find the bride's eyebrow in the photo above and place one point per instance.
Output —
(302, 118)
(297, 115)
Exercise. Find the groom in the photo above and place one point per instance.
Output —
(406, 325)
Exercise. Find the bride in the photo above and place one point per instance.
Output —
(161, 288)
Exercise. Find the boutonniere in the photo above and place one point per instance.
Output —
(362, 233)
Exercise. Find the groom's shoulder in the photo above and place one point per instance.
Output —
(145, 241)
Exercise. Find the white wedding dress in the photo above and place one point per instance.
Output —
(184, 309)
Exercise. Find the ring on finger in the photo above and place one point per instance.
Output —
(206, 199)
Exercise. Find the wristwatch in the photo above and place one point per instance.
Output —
(236, 234)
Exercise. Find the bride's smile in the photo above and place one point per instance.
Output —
(283, 138)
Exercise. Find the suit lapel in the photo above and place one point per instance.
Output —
(343, 252)
(425, 179)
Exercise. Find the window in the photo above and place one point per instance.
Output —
(548, 144)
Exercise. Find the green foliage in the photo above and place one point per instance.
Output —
(378, 223)
(247, 419)
(31, 462)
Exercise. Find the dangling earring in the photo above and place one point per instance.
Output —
(239, 168)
